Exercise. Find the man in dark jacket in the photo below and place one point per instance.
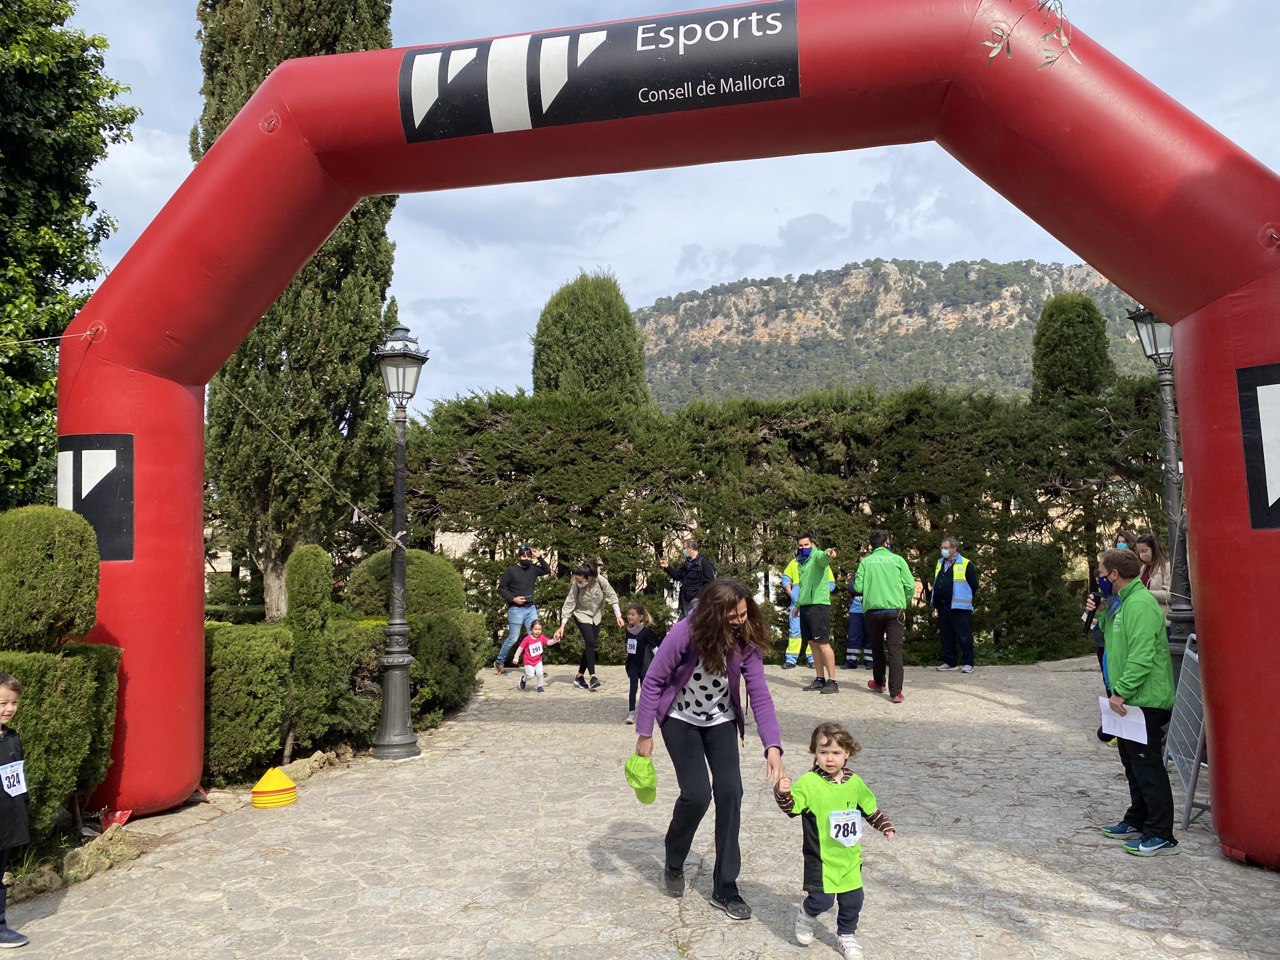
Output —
(693, 575)
(516, 587)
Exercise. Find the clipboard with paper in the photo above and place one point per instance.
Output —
(1132, 726)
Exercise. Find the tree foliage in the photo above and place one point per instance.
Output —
(308, 368)
(1069, 357)
(58, 115)
(587, 342)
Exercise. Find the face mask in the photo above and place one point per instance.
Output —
(685, 552)
(945, 553)
(1104, 584)
(1121, 545)
(526, 564)
(804, 552)
(737, 629)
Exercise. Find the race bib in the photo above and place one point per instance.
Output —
(14, 778)
(535, 649)
(846, 827)
(631, 644)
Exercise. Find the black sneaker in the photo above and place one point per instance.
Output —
(595, 683)
(817, 683)
(580, 683)
(788, 665)
(831, 686)
(673, 882)
(734, 906)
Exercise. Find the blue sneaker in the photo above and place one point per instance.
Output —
(1149, 845)
(1122, 831)
(11, 938)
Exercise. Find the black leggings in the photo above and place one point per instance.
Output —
(692, 749)
(589, 631)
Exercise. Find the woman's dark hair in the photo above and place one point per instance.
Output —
(833, 733)
(587, 570)
(1158, 558)
(1130, 538)
(644, 614)
(711, 634)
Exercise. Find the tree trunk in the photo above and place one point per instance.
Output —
(273, 592)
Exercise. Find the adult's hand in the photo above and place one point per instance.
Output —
(832, 553)
(1117, 704)
(620, 620)
(793, 612)
(644, 747)
(774, 771)
(518, 601)
(1090, 604)
(558, 634)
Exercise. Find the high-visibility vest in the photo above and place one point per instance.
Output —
(961, 592)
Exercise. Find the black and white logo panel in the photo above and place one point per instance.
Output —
(1260, 418)
(95, 479)
(687, 61)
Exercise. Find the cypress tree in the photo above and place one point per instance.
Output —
(1069, 353)
(587, 342)
(308, 368)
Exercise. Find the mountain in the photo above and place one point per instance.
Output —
(888, 323)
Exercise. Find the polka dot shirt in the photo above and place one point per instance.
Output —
(704, 701)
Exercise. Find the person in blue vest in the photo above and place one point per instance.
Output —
(955, 582)
(856, 640)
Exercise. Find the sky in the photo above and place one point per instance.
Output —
(474, 267)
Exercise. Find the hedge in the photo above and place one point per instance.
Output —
(433, 586)
(105, 662)
(57, 721)
(446, 652)
(48, 578)
(315, 679)
(222, 589)
(235, 614)
(246, 683)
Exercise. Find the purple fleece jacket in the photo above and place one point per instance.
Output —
(673, 664)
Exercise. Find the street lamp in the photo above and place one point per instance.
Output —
(400, 362)
(1156, 338)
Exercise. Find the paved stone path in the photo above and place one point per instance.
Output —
(515, 836)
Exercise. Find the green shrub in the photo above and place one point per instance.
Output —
(246, 687)
(222, 589)
(48, 578)
(246, 614)
(104, 660)
(1028, 607)
(56, 720)
(446, 652)
(356, 646)
(308, 582)
(433, 585)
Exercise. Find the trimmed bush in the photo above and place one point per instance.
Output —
(56, 721)
(446, 654)
(356, 646)
(222, 589)
(433, 586)
(249, 614)
(48, 578)
(104, 660)
(1030, 610)
(246, 686)
(308, 582)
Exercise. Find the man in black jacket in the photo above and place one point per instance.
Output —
(693, 576)
(516, 587)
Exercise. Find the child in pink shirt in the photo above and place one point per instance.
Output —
(530, 651)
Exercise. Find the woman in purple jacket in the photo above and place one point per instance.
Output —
(692, 691)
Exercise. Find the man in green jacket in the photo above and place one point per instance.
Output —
(1139, 673)
(813, 607)
(887, 586)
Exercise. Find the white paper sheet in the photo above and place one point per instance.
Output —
(1132, 726)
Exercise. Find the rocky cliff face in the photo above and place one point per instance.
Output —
(890, 323)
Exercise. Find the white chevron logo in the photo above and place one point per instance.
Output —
(1269, 415)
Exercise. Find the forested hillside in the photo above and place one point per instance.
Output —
(887, 323)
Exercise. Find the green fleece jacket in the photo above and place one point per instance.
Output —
(885, 581)
(1139, 667)
(815, 576)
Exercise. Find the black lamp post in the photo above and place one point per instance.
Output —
(401, 363)
(1156, 338)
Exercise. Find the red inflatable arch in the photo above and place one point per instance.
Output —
(1164, 206)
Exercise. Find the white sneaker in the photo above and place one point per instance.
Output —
(945, 666)
(966, 669)
(849, 947)
(631, 716)
(804, 927)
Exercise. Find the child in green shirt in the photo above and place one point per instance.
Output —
(831, 801)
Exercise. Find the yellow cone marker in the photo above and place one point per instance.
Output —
(275, 789)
